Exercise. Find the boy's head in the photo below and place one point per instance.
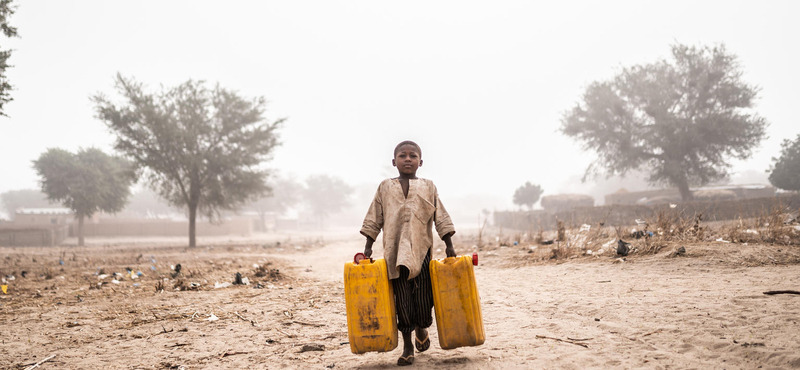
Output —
(407, 158)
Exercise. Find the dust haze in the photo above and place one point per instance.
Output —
(480, 87)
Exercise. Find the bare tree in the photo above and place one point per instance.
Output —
(86, 182)
(680, 119)
(326, 195)
(785, 170)
(527, 195)
(6, 10)
(198, 147)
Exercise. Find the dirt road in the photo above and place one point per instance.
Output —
(701, 311)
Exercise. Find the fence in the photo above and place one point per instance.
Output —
(623, 215)
(49, 236)
(243, 227)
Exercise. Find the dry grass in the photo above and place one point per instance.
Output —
(667, 231)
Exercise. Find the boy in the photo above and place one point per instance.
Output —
(405, 208)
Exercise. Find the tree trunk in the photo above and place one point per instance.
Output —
(683, 187)
(80, 231)
(262, 227)
(192, 228)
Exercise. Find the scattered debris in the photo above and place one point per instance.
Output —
(641, 234)
(237, 280)
(753, 345)
(680, 251)
(217, 285)
(623, 248)
(722, 240)
(212, 318)
(177, 272)
(673, 205)
(115, 281)
(547, 242)
(311, 347)
(585, 227)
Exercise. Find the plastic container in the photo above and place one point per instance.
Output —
(459, 320)
(371, 316)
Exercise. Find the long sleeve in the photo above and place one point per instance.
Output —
(444, 225)
(373, 221)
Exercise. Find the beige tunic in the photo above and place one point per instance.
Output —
(406, 223)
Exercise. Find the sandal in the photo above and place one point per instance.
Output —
(405, 361)
(422, 345)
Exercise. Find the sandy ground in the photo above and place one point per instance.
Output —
(705, 310)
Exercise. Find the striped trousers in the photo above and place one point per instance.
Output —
(413, 298)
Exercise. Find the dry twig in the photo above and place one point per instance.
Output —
(226, 354)
(562, 340)
(39, 363)
(773, 292)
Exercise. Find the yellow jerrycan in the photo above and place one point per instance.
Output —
(371, 316)
(459, 321)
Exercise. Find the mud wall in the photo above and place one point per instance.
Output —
(243, 227)
(11, 236)
(623, 215)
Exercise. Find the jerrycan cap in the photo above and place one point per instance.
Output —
(360, 257)
(475, 259)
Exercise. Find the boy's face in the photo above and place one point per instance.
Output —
(407, 160)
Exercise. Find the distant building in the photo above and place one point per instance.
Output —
(566, 202)
(672, 195)
(43, 216)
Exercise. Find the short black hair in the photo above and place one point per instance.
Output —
(407, 142)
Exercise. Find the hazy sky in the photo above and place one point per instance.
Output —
(480, 86)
